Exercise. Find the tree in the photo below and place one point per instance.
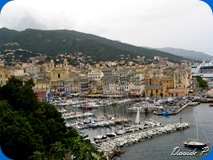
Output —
(19, 95)
(36, 130)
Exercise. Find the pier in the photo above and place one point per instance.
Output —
(172, 112)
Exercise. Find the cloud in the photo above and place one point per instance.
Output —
(154, 23)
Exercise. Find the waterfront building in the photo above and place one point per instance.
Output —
(123, 82)
(109, 81)
(136, 83)
(71, 85)
(83, 86)
(168, 83)
(154, 87)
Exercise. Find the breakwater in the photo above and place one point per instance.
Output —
(112, 147)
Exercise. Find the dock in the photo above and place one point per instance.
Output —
(165, 113)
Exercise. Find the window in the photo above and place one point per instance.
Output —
(0, 75)
(59, 76)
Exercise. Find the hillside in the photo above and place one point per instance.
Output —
(53, 42)
(187, 54)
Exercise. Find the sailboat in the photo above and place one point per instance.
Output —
(137, 119)
(138, 124)
(195, 143)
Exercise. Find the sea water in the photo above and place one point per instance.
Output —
(163, 147)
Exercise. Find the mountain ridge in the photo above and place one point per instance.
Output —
(53, 42)
(190, 54)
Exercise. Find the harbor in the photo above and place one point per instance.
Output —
(112, 126)
(113, 146)
(163, 145)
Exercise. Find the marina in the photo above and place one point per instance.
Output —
(113, 126)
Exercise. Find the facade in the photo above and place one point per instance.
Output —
(95, 75)
(154, 87)
(32, 69)
(136, 83)
(42, 84)
(57, 76)
(4, 74)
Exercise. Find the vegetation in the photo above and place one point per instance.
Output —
(54, 42)
(34, 130)
(202, 83)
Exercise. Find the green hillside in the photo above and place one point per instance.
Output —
(53, 42)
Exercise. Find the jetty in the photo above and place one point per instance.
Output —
(176, 111)
(112, 147)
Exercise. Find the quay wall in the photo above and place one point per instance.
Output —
(112, 147)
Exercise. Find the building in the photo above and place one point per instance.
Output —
(4, 74)
(57, 76)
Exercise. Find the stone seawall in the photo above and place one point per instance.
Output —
(112, 147)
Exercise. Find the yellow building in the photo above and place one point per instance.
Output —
(3, 76)
(176, 82)
(42, 84)
(154, 87)
(58, 75)
(168, 83)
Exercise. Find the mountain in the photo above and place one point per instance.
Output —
(53, 42)
(187, 53)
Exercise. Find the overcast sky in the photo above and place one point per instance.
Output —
(186, 24)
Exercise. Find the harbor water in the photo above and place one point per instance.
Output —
(161, 148)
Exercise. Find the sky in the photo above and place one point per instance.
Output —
(185, 24)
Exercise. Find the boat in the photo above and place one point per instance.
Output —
(120, 132)
(111, 134)
(100, 137)
(211, 105)
(144, 107)
(137, 119)
(204, 70)
(194, 103)
(195, 143)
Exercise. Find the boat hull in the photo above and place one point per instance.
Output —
(198, 145)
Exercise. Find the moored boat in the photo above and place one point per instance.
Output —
(111, 134)
(211, 105)
(195, 144)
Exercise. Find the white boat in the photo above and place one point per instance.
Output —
(111, 134)
(100, 137)
(120, 132)
(137, 119)
(194, 103)
(143, 107)
(204, 70)
(195, 143)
